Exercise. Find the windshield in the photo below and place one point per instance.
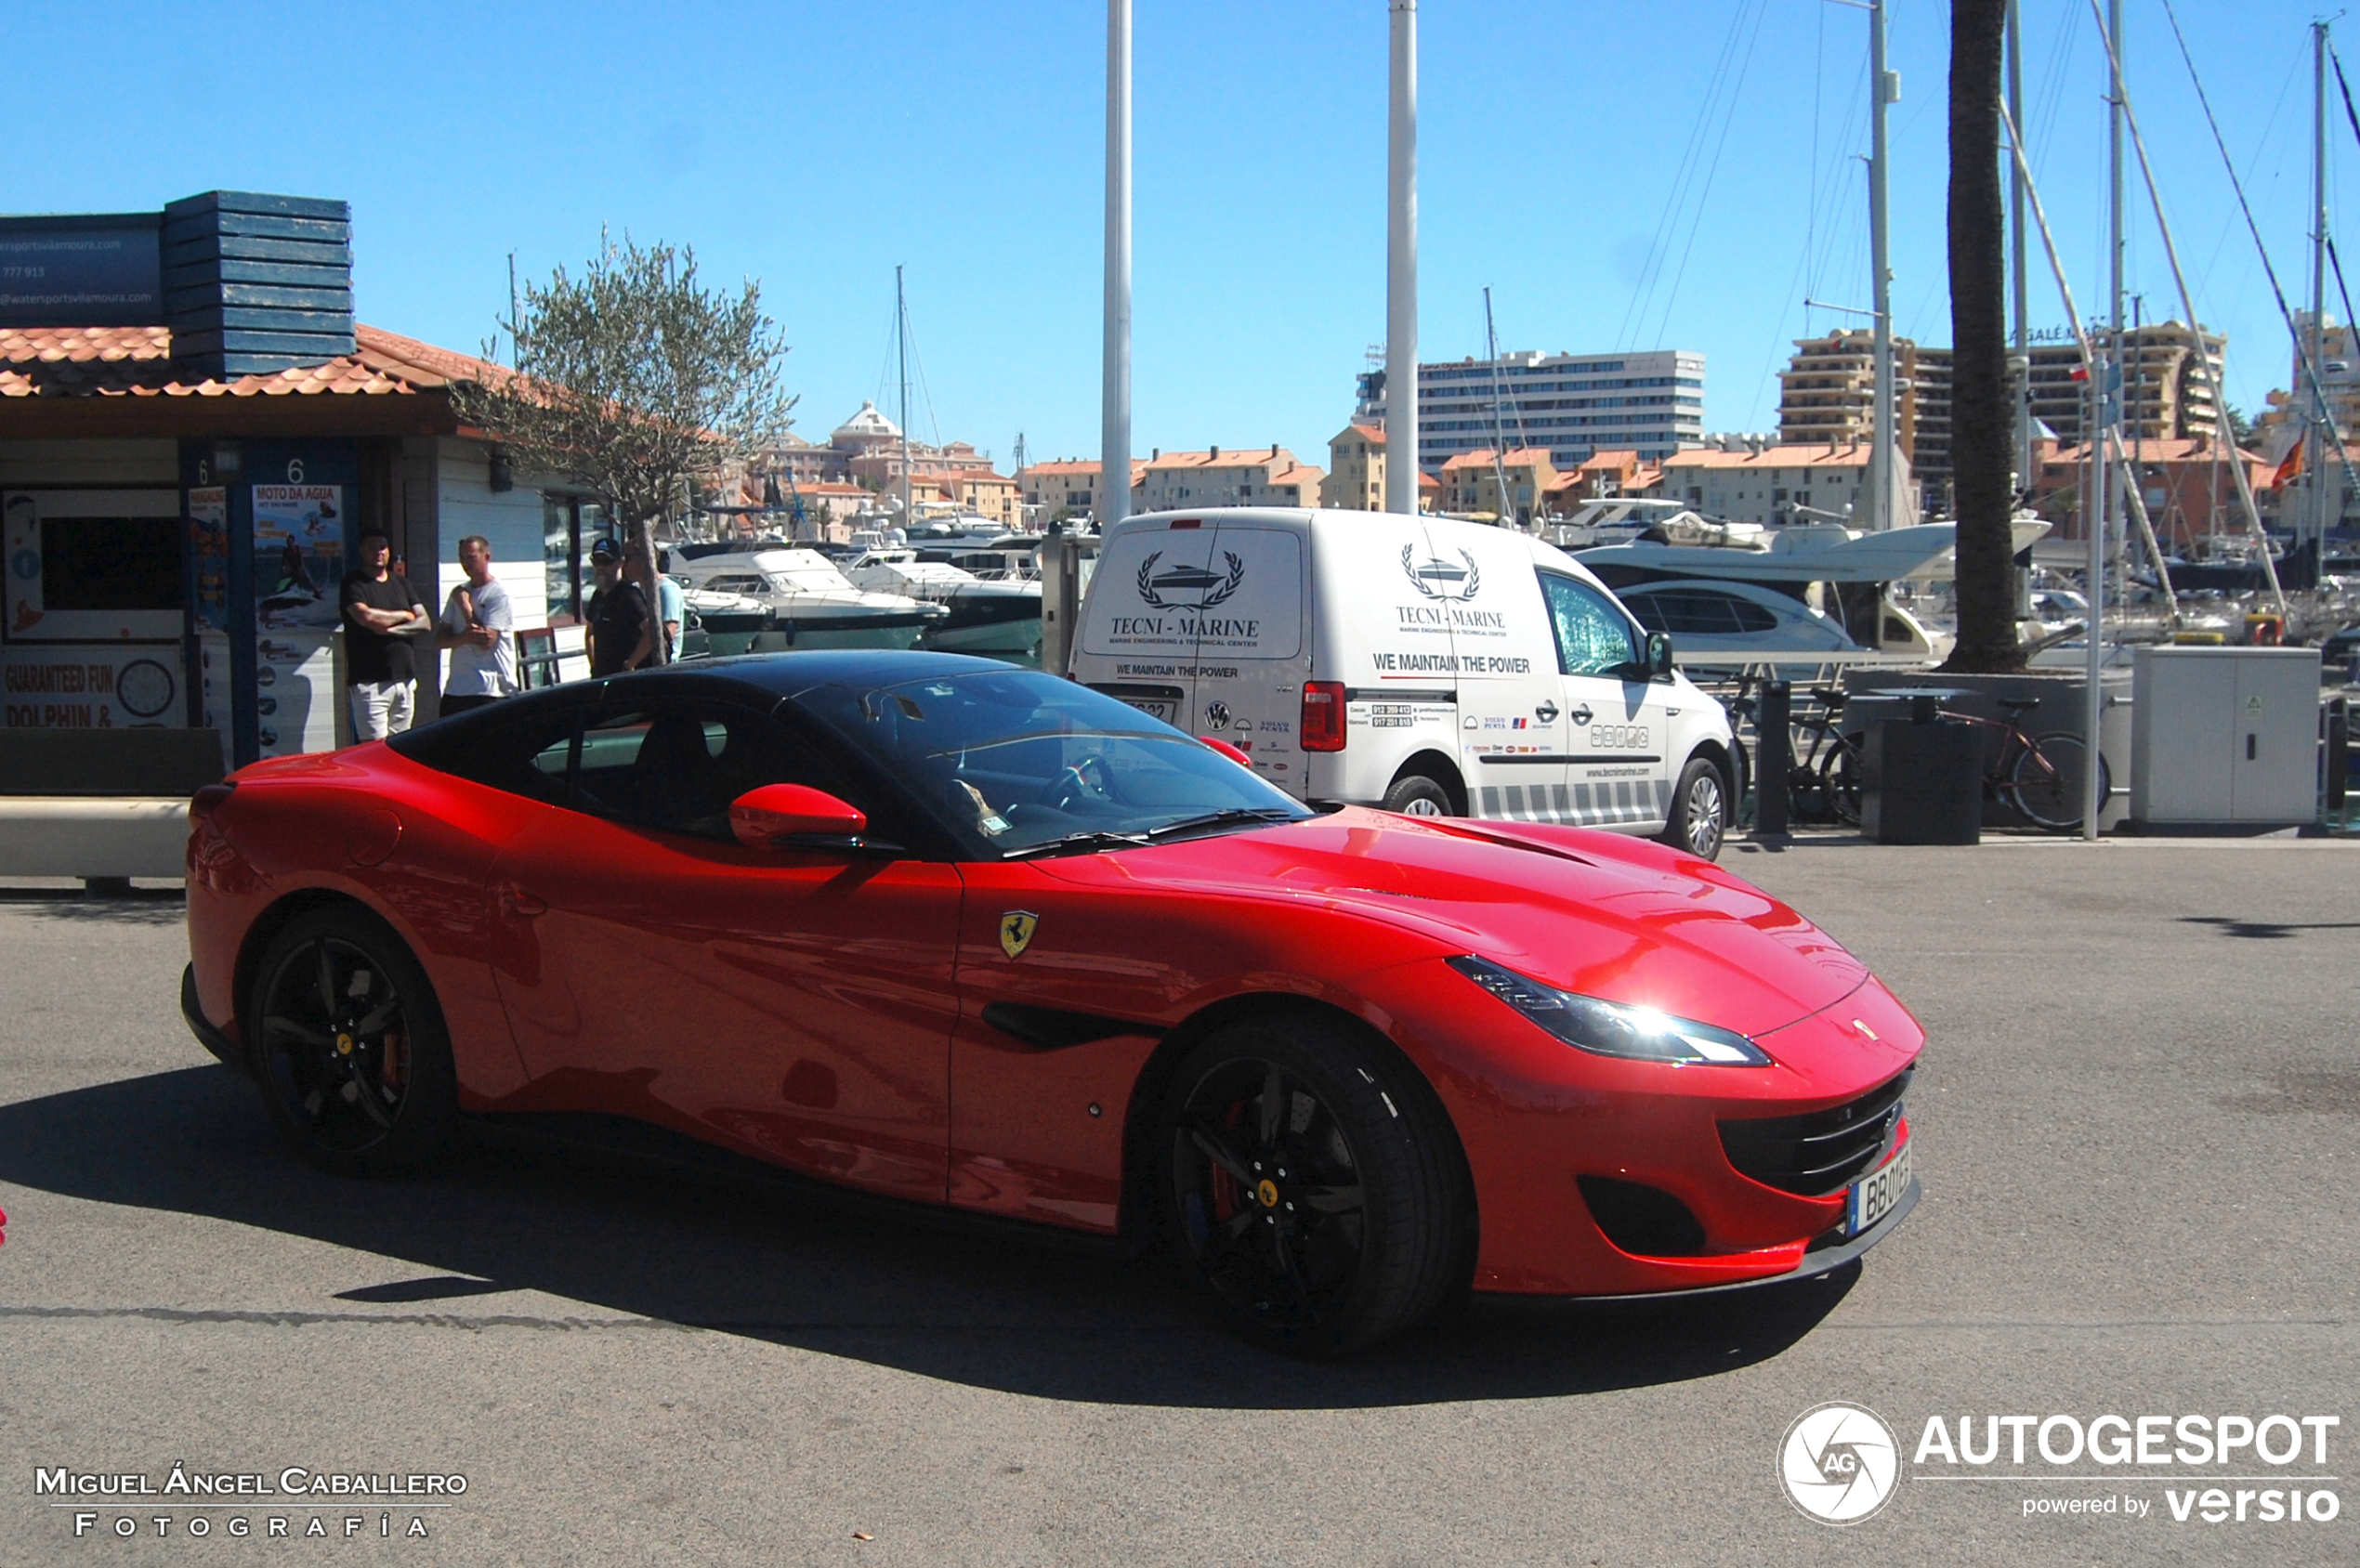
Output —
(1017, 761)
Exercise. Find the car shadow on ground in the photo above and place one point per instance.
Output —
(140, 906)
(685, 1248)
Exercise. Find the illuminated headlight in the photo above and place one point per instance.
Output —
(1611, 1028)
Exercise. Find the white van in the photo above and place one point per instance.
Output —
(1419, 664)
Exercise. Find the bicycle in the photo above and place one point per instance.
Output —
(1823, 776)
(2040, 777)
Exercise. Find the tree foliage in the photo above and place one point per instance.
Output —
(633, 382)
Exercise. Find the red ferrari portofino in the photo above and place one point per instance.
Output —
(944, 931)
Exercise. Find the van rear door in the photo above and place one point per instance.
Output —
(1253, 650)
(1143, 618)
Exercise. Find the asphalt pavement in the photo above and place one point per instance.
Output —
(2136, 1129)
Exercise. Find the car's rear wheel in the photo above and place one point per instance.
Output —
(348, 1045)
(1700, 810)
(1308, 1191)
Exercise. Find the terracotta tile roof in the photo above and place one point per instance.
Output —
(1600, 460)
(1368, 433)
(1480, 458)
(135, 362)
(1851, 455)
(1228, 457)
(1526, 457)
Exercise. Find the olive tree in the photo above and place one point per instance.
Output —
(635, 383)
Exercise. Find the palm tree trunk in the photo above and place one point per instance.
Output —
(1980, 414)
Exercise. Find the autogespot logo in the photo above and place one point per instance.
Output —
(1839, 1463)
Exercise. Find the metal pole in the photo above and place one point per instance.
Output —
(2015, 234)
(1883, 88)
(2108, 410)
(901, 347)
(2316, 459)
(1401, 268)
(1114, 433)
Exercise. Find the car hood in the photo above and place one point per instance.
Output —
(1598, 913)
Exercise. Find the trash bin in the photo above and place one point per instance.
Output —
(1921, 778)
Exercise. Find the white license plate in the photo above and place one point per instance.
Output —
(1871, 1198)
(1153, 708)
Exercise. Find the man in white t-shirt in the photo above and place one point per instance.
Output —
(479, 629)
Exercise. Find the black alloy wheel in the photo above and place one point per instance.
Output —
(1313, 1197)
(348, 1045)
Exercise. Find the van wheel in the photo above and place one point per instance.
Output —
(1414, 795)
(1699, 811)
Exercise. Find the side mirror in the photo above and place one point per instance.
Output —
(1658, 655)
(764, 816)
(1232, 753)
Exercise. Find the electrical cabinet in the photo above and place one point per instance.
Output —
(2225, 734)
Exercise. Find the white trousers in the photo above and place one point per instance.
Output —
(382, 708)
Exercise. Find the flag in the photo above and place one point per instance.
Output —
(2289, 469)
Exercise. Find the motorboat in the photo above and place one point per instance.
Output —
(998, 618)
(811, 603)
(1704, 616)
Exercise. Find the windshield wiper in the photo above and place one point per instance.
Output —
(1096, 839)
(1226, 817)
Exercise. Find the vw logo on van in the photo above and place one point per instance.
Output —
(1181, 586)
(1438, 579)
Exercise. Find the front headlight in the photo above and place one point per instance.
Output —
(1611, 1028)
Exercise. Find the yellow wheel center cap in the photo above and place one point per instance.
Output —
(344, 1045)
(1269, 1193)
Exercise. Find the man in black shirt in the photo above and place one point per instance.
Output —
(381, 676)
(622, 633)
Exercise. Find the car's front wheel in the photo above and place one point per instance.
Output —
(1308, 1191)
(348, 1045)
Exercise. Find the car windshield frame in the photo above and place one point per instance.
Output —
(1071, 771)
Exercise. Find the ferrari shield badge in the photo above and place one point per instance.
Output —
(1016, 931)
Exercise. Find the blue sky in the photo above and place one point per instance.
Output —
(814, 146)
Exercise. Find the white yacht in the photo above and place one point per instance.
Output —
(999, 617)
(811, 603)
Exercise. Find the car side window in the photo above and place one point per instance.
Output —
(676, 766)
(525, 756)
(1594, 636)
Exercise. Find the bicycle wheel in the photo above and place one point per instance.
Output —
(1839, 780)
(2046, 785)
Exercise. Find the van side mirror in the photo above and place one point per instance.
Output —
(1658, 655)
(794, 813)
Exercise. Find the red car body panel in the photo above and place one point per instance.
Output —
(829, 1014)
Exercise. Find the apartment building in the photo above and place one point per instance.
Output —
(2165, 394)
(1256, 476)
(1472, 484)
(1068, 488)
(1754, 482)
(1356, 469)
(1569, 405)
(1827, 395)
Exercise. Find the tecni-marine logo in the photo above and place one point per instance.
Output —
(1839, 1463)
(1183, 586)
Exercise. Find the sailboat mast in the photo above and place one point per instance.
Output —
(1499, 440)
(902, 349)
(2316, 459)
(1883, 88)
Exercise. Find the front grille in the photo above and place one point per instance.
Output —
(1813, 1156)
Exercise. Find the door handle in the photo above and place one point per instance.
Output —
(1546, 712)
(515, 900)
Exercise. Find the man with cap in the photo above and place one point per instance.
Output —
(622, 630)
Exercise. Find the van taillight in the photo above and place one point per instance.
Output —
(1323, 716)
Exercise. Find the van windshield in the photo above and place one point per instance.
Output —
(1019, 762)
